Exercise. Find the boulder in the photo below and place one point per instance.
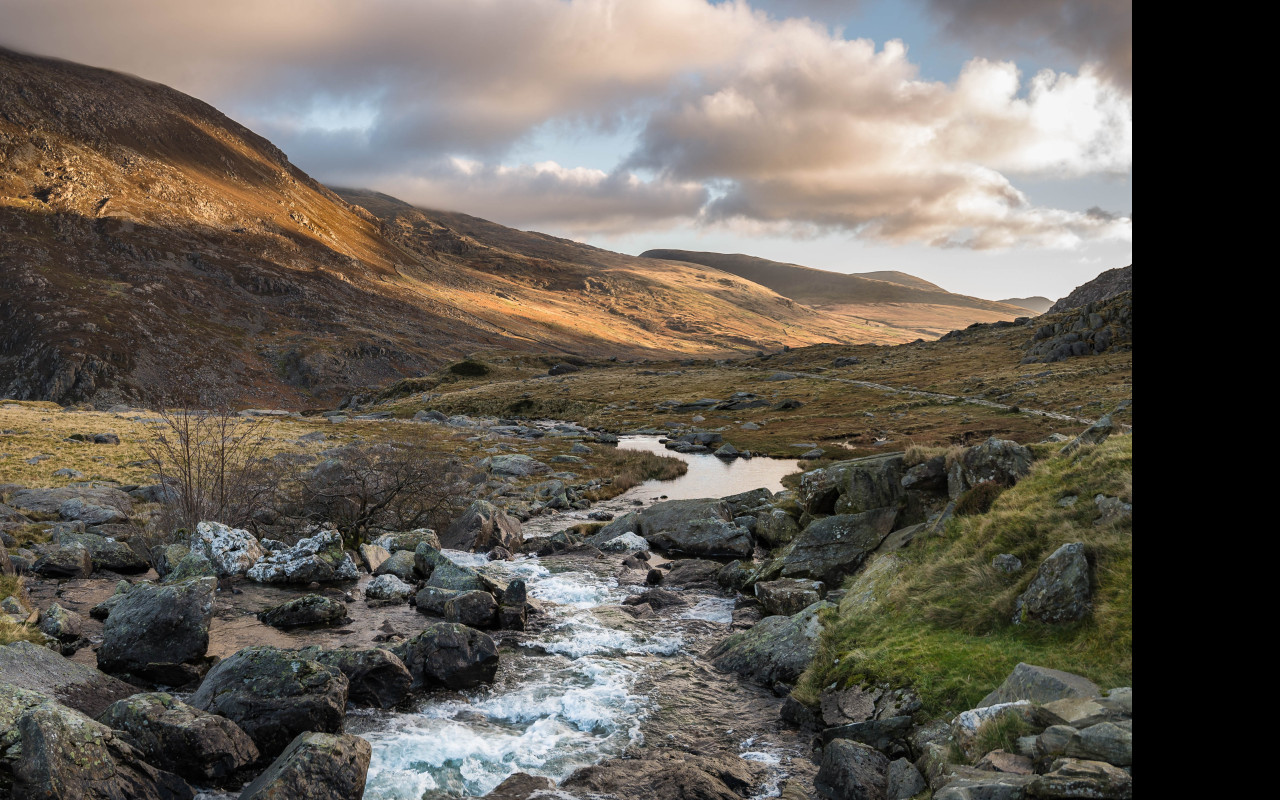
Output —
(1104, 741)
(451, 655)
(626, 543)
(200, 747)
(666, 775)
(1060, 591)
(159, 632)
(483, 527)
(231, 551)
(65, 754)
(317, 558)
(373, 555)
(852, 771)
(475, 609)
(442, 573)
(103, 610)
(164, 557)
(1004, 761)
(905, 781)
(788, 596)
(520, 786)
(854, 486)
(317, 766)
(400, 564)
(1007, 563)
(748, 502)
(776, 650)
(69, 561)
(927, 476)
(888, 735)
(409, 540)
(1040, 685)
(47, 502)
(1081, 712)
(274, 695)
(431, 600)
(515, 465)
(192, 565)
(80, 509)
(832, 547)
(1097, 433)
(14, 702)
(864, 702)
(989, 786)
(376, 677)
(107, 553)
(1076, 778)
(61, 624)
(776, 527)
(998, 460)
(388, 589)
(704, 537)
(311, 609)
(694, 573)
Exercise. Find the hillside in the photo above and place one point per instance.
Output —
(1036, 305)
(887, 297)
(1107, 285)
(149, 236)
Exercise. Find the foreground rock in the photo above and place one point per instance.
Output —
(1060, 591)
(317, 558)
(274, 695)
(788, 596)
(311, 609)
(664, 775)
(159, 632)
(852, 771)
(316, 766)
(450, 655)
(483, 527)
(775, 650)
(994, 461)
(68, 755)
(28, 666)
(832, 547)
(202, 748)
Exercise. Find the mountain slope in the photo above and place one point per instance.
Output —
(890, 298)
(1107, 285)
(1036, 305)
(153, 249)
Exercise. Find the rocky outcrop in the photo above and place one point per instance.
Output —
(274, 695)
(483, 527)
(231, 551)
(311, 609)
(1096, 327)
(1061, 590)
(83, 503)
(832, 547)
(159, 632)
(68, 755)
(998, 461)
(317, 558)
(107, 553)
(450, 655)
(1107, 285)
(852, 487)
(202, 748)
(775, 650)
(317, 766)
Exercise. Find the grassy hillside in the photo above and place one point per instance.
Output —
(938, 617)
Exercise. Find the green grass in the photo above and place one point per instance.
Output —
(1001, 733)
(944, 624)
(10, 631)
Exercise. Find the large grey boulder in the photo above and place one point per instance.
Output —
(164, 557)
(28, 666)
(376, 677)
(996, 460)
(775, 650)
(666, 517)
(402, 564)
(107, 553)
(1104, 741)
(854, 486)
(159, 632)
(776, 527)
(311, 609)
(852, 771)
(788, 596)
(1061, 589)
(317, 766)
(702, 537)
(90, 513)
(748, 502)
(192, 565)
(68, 561)
(1081, 778)
(61, 624)
(200, 747)
(905, 781)
(515, 465)
(388, 589)
(483, 527)
(319, 558)
(1040, 685)
(832, 547)
(65, 754)
(451, 655)
(408, 540)
(232, 551)
(274, 695)
(47, 502)
(442, 573)
(475, 608)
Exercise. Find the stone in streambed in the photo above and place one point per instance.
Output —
(316, 766)
(311, 609)
(179, 738)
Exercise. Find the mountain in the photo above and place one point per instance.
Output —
(1107, 285)
(154, 249)
(890, 298)
(1036, 305)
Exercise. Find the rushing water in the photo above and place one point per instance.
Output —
(590, 682)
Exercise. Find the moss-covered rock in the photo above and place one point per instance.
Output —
(200, 747)
(160, 632)
(317, 766)
(311, 609)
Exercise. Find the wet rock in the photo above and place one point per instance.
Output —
(832, 547)
(232, 551)
(274, 695)
(482, 527)
(311, 609)
(998, 460)
(656, 599)
(1040, 685)
(776, 650)
(1076, 778)
(409, 540)
(388, 588)
(1061, 590)
(476, 609)
(499, 554)
(65, 754)
(317, 558)
(376, 677)
(665, 775)
(520, 786)
(317, 766)
(199, 747)
(61, 624)
(69, 561)
(159, 632)
(788, 596)
(450, 655)
(852, 771)
(401, 564)
(654, 577)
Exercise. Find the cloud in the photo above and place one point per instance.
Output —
(1090, 30)
(744, 120)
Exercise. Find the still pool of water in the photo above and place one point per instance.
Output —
(709, 476)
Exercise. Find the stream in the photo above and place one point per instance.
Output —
(590, 682)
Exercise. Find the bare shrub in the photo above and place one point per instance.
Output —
(213, 463)
(396, 486)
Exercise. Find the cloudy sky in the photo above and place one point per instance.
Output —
(986, 145)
